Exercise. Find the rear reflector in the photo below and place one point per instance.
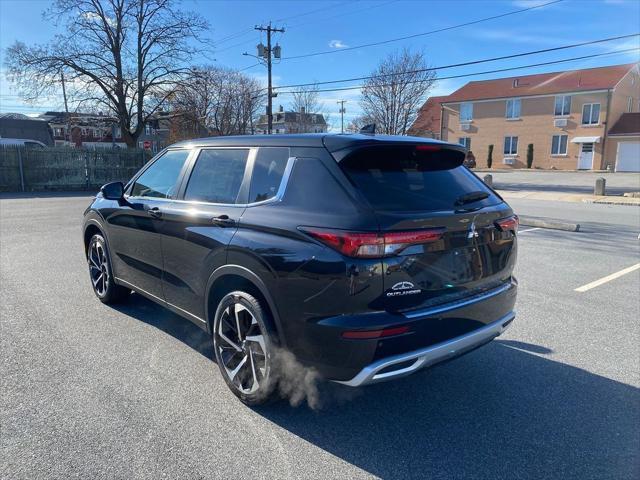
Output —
(368, 334)
(372, 245)
(508, 224)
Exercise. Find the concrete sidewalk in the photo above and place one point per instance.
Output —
(569, 197)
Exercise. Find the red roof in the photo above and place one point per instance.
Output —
(542, 84)
(428, 120)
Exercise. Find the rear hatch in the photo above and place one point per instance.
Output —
(447, 235)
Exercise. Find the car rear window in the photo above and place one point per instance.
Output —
(413, 178)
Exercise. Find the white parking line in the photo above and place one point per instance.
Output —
(608, 278)
(529, 229)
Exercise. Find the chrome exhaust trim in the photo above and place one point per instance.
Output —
(428, 356)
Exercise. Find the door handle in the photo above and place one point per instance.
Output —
(155, 212)
(223, 221)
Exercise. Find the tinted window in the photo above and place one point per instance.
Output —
(217, 176)
(404, 179)
(267, 173)
(159, 180)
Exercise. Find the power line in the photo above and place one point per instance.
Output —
(452, 27)
(358, 87)
(244, 32)
(250, 66)
(464, 64)
(343, 14)
(304, 14)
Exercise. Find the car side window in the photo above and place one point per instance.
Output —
(217, 176)
(268, 170)
(160, 179)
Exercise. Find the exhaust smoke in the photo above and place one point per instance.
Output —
(298, 383)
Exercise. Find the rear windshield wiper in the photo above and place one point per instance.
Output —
(471, 197)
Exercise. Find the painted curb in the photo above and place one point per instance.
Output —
(628, 201)
(548, 223)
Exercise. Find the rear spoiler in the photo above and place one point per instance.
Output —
(341, 146)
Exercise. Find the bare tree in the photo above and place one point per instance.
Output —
(357, 123)
(306, 104)
(124, 56)
(223, 100)
(397, 89)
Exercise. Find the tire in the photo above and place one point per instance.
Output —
(246, 358)
(100, 273)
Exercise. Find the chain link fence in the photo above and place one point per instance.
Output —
(24, 169)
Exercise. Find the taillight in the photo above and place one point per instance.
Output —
(509, 223)
(372, 245)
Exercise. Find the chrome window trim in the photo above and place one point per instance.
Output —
(277, 198)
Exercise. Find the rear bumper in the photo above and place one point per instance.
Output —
(404, 364)
(472, 321)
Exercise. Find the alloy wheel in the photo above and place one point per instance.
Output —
(98, 268)
(241, 348)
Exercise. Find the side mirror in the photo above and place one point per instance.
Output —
(113, 191)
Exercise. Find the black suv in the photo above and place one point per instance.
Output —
(366, 257)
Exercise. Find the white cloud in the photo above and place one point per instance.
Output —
(95, 17)
(337, 44)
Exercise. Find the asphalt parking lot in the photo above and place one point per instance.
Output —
(91, 391)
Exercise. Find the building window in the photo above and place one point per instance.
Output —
(466, 112)
(465, 142)
(513, 108)
(591, 114)
(630, 104)
(510, 145)
(559, 145)
(563, 105)
(147, 129)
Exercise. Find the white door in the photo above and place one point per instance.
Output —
(628, 158)
(585, 160)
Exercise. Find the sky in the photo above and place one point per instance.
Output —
(315, 26)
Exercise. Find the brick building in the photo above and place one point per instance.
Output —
(566, 116)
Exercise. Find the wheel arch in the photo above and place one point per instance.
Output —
(235, 277)
(91, 228)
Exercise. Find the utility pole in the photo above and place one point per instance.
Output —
(267, 52)
(66, 106)
(342, 112)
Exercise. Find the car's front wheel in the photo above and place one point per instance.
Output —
(101, 274)
(243, 348)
